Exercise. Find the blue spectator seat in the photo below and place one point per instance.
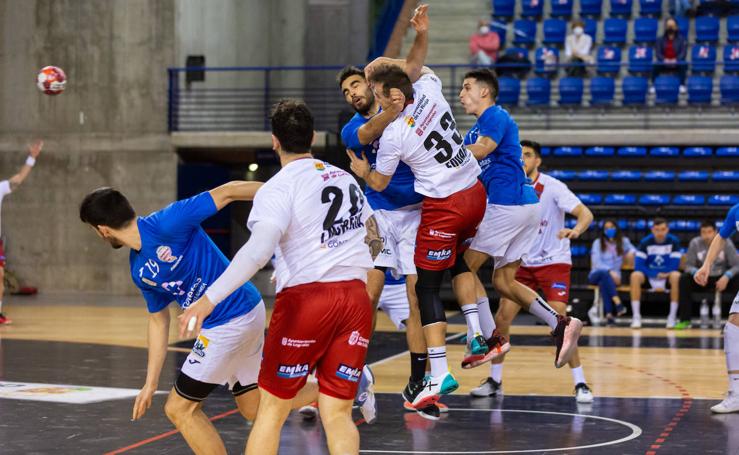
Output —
(659, 176)
(640, 225)
(555, 31)
(693, 176)
(689, 199)
(614, 31)
(723, 199)
(635, 90)
(626, 176)
(670, 152)
(632, 151)
(650, 8)
(509, 91)
(591, 8)
(501, 28)
(590, 199)
(570, 91)
(561, 8)
(563, 175)
(570, 223)
(609, 60)
(622, 224)
(684, 225)
(729, 89)
(568, 151)
(538, 90)
(667, 88)
(683, 24)
(725, 176)
(579, 251)
(697, 152)
(654, 199)
(599, 151)
(524, 32)
(620, 199)
(593, 175)
(591, 28)
(703, 59)
(504, 8)
(732, 29)
(645, 30)
(706, 29)
(602, 90)
(546, 60)
(546, 151)
(731, 58)
(728, 152)
(621, 8)
(532, 8)
(700, 89)
(640, 59)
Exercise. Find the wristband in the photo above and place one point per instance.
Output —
(30, 161)
(728, 274)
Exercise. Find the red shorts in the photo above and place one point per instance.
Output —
(325, 326)
(2, 255)
(553, 280)
(448, 226)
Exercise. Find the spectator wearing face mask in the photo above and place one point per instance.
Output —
(484, 45)
(606, 259)
(578, 46)
(671, 50)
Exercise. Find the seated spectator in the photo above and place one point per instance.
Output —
(606, 260)
(484, 45)
(514, 63)
(656, 266)
(578, 46)
(670, 52)
(723, 273)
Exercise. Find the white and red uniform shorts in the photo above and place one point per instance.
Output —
(325, 326)
(553, 280)
(448, 226)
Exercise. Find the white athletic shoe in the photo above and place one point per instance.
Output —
(636, 322)
(433, 388)
(489, 387)
(366, 396)
(730, 404)
(593, 316)
(583, 394)
(671, 321)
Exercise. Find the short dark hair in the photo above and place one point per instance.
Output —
(292, 124)
(487, 77)
(659, 220)
(535, 146)
(708, 223)
(106, 207)
(393, 76)
(347, 72)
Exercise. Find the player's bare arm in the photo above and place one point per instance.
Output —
(377, 124)
(34, 150)
(158, 341)
(234, 191)
(584, 220)
(373, 238)
(361, 167)
(483, 147)
(717, 245)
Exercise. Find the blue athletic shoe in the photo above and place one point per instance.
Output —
(365, 397)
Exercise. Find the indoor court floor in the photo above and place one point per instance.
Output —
(70, 366)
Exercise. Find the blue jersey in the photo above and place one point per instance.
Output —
(653, 258)
(502, 170)
(399, 192)
(731, 223)
(178, 261)
(390, 279)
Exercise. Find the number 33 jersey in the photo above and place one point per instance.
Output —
(425, 137)
(321, 212)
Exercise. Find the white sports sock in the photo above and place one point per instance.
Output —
(496, 372)
(673, 310)
(473, 321)
(1, 306)
(578, 376)
(636, 308)
(487, 322)
(437, 359)
(731, 348)
(543, 311)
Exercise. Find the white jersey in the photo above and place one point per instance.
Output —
(320, 211)
(4, 191)
(556, 200)
(425, 137)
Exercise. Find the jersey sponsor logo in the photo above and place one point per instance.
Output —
(461, 158)
(657, 250)
(193, 361)
(439, 255)
(296, 343)
(356, 339)
(148, 281)
(293, 371)
(164, 253)
(441, 234)
(196, 290)
(174, 288)
(427, 120)
(559, 285)
(348, 373)
(201, 344)
(334, 243)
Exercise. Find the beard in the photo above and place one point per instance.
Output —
(370, 101)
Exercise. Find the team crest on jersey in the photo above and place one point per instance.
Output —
(410, 121)
(201, 344)
(355, 339)
(320, 167)
(348, 373)
(164, 253)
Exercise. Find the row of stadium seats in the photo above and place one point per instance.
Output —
(603, 89)
(643, 225)
(597, 175)
(690, 152)
(688, 200)
(505, 9)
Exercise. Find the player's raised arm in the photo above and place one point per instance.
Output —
(483, 147)
(158, 341)
(234, 191)
(33, 152)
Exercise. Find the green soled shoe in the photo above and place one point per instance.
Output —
(682, 325)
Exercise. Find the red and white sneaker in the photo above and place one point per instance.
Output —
(498, 346)
(442, 407)
(565, 337)
(5, 320)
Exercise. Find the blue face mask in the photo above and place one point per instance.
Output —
(610, 233)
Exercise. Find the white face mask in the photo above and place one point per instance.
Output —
(484, 30)
(578, 31)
